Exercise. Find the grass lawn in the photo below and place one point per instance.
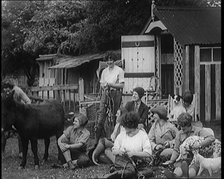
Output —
(11, 161)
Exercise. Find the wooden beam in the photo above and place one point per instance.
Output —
(197, 78)
(56, 87)
(218, 91)
(81, 89)
(208, 93)
(186, 68)
(138, 75)
(137, 44)
(159, 56)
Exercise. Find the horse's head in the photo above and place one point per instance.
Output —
(8, 105)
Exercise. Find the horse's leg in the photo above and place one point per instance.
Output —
(34, 150)
(46, 143)
(25, 143)
(3, 141)
(20, 145)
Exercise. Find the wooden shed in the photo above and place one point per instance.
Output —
(188, 54)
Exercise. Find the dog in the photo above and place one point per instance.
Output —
(187, 146)
(177, 108)
(211, 164)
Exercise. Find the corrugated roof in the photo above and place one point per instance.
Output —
(46, 57)
(71, 62)
(74, 61)
(192, 25)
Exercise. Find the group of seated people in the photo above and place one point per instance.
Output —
(130, 142)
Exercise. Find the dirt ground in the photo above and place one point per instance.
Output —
(11, 161)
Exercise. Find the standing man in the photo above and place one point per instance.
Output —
(20, 96)
(112, 83)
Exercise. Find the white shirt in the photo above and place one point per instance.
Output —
(116, 75)
(20, 96)
(137, 143)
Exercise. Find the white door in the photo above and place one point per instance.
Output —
(138, 58)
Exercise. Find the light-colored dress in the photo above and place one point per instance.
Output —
(137, 143)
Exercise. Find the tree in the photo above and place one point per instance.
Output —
(73, 27)
(15, 17)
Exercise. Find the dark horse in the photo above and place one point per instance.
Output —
(33, 121)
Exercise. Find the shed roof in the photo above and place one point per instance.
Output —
(46, 57)
(74, 61)
(192, 25)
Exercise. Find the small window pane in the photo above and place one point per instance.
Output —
(217, 54)
(205, 55)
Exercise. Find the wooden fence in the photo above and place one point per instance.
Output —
(68, 95)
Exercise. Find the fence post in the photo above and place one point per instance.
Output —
(81, 89)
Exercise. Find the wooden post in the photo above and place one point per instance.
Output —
(158, 61)
(208, 93)
(186, 69)
(74, 101)
(69, 100)
(197, 78)
(218, 91)
(81, 89)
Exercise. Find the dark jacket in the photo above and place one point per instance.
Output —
(142, 110)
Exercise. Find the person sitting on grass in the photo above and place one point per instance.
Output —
(162, 133)
(182, 167)
(138, 106)
(129, 147)
(73, 143)
(105, 145)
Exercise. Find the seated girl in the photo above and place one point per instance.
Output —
(162, 133)
(182, 167)
(129, 147)
(73, 143)
(104, 144)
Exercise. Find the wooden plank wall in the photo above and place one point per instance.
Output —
(210, 92)
(203, 79)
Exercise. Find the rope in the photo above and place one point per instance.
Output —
(122, 174)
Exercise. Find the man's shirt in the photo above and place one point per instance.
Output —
(20, 96)
(116, 75)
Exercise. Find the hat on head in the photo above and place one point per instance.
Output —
(82, 119)
(161, 111)
(140, 91)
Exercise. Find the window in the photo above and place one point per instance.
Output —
(205, 55)
(217, 54)
(167, 43)
(210, 54)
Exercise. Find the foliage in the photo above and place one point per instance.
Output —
(72, 27)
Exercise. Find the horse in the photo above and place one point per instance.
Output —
(32, 122)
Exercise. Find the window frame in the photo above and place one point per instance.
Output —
(212, 56)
